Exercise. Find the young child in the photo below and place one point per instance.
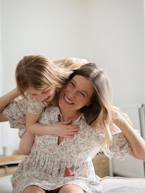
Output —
(38, 81)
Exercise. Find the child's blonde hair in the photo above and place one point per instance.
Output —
(37, 71)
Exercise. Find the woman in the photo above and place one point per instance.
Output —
(83, 99)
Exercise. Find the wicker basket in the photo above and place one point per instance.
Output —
(101, 164)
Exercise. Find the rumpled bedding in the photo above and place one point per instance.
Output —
(109, 184)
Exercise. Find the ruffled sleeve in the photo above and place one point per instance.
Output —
(35, 107)
(15, 113)
(120, 146)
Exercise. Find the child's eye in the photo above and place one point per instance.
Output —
(46, 91)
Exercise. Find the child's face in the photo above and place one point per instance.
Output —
(46, 94)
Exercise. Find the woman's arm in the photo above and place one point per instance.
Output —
(7, 98)
(135, 140)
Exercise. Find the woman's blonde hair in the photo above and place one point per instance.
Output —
(70, 63)
(100, 107)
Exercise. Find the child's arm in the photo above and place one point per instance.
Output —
(62, 129)
(26, 143)
(27, 139)
(5, 100)
(33, 128)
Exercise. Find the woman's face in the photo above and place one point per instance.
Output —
(76, 94)
(46, 94)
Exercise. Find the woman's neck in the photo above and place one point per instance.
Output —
(68, 115)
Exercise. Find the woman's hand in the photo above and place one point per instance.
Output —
(119, 118)
(136, 142)
(64, 129)
(8, 98)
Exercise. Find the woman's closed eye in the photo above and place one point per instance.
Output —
(72, 84)
(83, 94)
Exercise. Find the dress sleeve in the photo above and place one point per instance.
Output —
(15, 113)
(120, 146)
(35, 107)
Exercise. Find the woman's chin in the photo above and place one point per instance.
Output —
(63, 104)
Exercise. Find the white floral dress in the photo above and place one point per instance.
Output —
(45, 166)
(17, 109)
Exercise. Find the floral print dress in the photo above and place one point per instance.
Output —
(17, 109)
(45, 165)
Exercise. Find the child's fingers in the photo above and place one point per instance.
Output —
(71, 133)
(73, 127)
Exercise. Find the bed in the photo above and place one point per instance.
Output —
(123, 185)
(110, 185)
(5, 184)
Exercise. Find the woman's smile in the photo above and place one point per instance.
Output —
(67, 100)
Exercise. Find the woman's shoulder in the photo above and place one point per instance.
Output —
(51, 109)
(91, 131)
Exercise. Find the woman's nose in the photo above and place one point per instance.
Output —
(72, 94)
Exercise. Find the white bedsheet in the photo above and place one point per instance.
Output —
(5, 184)
(110, 185)
(123, 185)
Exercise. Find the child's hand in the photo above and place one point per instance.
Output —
(65, 129)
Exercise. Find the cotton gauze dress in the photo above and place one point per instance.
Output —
(45, 166)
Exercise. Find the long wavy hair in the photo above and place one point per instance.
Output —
(100, 106)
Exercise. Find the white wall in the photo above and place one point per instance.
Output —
(116, 34)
